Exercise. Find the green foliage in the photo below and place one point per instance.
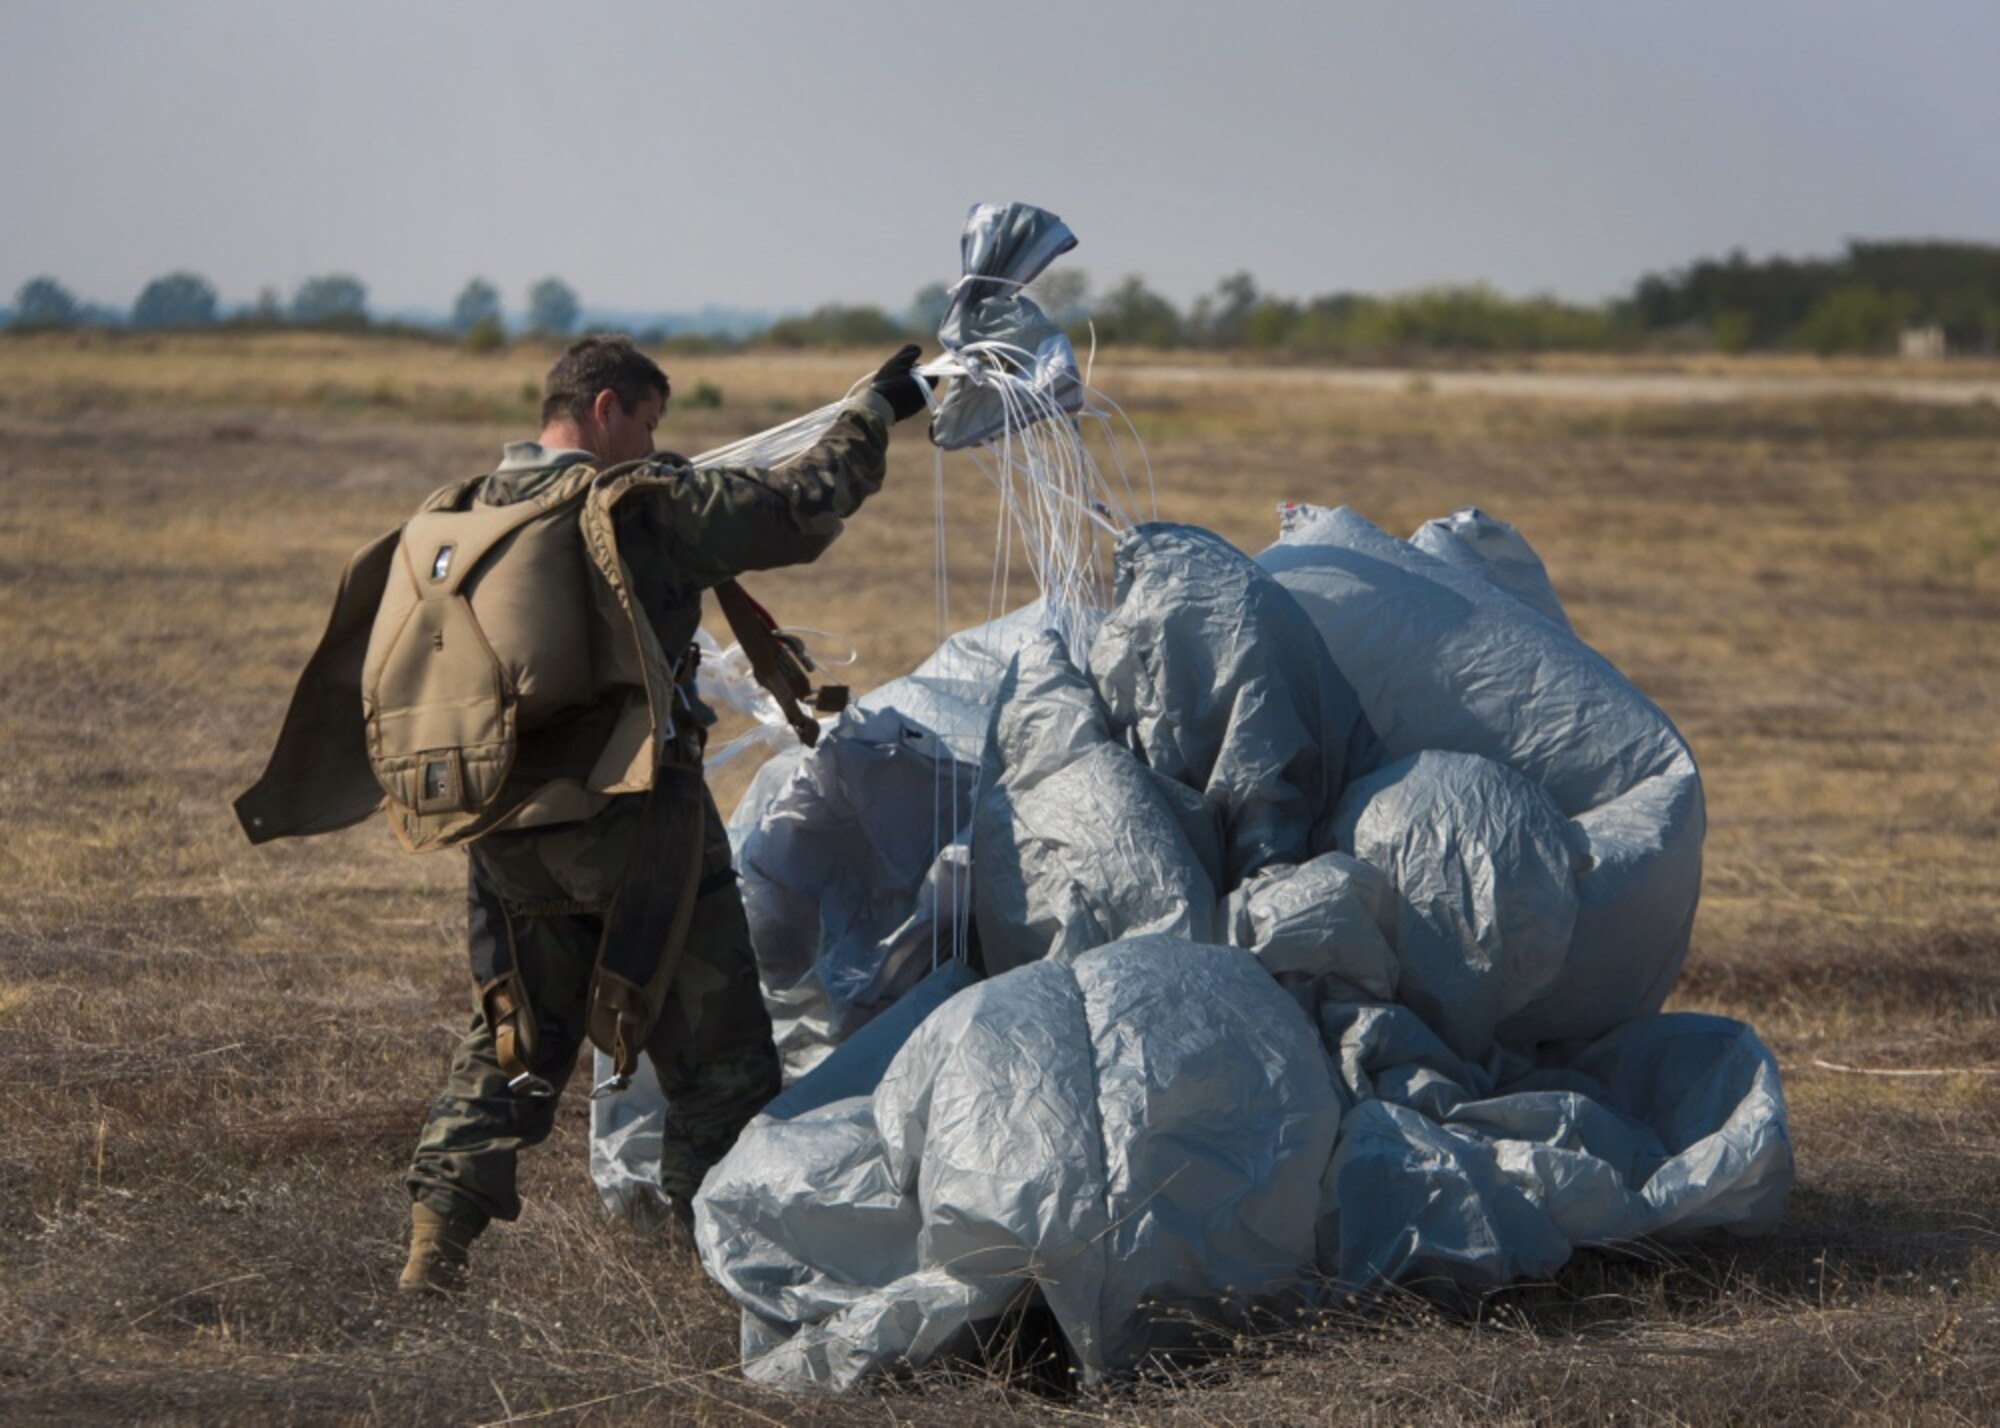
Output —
(180, 299)
(1935, 274)
(1271, 323)
(485, 335)
(1773, 296)
(477, 306)
(1133, 313)
(1324, 324)
(1853, 320)
(1969, 316)
(1218, 319)
(1823, 303)
(1732, 330)
(837, 326)
(332, 300)
(44, 303)
(706, 396)
(1445, 319)
(552, 308)
(1477, 319)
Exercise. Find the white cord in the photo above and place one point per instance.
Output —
(1055, 502)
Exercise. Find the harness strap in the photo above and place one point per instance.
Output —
(776, 661)
(554, 907)
(646, 929)
(496, 978)
(513, 1022)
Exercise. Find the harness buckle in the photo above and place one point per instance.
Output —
(533, 1087)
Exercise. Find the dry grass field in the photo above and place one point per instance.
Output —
(214, 1060)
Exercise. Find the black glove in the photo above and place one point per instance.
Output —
(898, 385)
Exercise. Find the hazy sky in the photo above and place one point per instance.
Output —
(660, 155)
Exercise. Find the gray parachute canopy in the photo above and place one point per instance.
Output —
(1327, 903)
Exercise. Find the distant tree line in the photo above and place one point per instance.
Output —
(184, 301)
(1858, 302)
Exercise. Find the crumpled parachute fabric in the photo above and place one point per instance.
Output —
(1327, 903)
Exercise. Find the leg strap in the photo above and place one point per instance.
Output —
(496, 974)
(553, 907)
(648, 924)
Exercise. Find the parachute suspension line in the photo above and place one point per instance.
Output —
(1101, 409)
(1059, 511)
(1064, 511)
(1053, 503)
(941, 835)
(776, 446)
(957, 867)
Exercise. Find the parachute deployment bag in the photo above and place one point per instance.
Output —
(481, 625)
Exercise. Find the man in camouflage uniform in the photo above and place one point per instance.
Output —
(550, 887)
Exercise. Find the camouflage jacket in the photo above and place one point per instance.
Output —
(679, 530)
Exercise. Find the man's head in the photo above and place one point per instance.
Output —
(604, 396)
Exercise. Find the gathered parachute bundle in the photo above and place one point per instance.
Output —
(1223, 935)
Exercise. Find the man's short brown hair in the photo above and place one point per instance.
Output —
(588, 366)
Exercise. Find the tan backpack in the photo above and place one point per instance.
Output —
(484, 630)
(490, 627)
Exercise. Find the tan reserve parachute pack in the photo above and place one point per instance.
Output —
(484, 629)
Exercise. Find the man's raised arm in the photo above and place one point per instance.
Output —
(696, 527)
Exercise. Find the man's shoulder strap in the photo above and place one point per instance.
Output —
(575, 480)
(450, 496)
(611, 482)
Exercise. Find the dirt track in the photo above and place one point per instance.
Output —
(1583, 386)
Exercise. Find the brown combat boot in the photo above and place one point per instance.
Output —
(437, 1253)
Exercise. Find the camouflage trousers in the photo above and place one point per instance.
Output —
(712, 1047)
